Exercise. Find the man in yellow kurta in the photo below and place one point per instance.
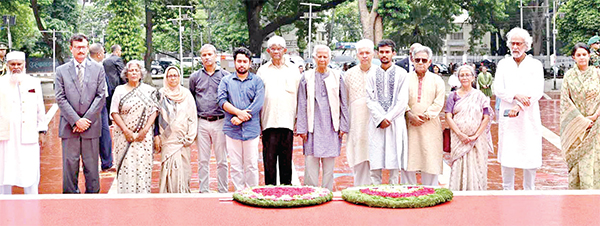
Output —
(426, 100)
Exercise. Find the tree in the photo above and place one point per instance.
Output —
(279, 14)
(60, 15)
(94, 20)
(125, 29)
(346, 23)
(24, 33)
(579, 24)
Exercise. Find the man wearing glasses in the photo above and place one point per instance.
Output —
(281, 79)
(519, 84)
(80, 94)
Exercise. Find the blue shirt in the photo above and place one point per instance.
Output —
(204, 90)
(248, 94)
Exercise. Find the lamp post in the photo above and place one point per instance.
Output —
(310, 5)
(54, 47)
(179, 19)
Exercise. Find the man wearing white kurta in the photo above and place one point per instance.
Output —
(519, 84)
(357, 144)
(21, 119)
(387, 99)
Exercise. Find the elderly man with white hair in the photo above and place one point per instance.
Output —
(426, 95)
(22, 127)
(519, 84)
(322, 118)
(281, 79)
(357, 146)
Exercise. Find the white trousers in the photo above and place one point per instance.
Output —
(7, 189)
(410, 177)
(508, 178)
(377, 178)
(361, 174)
(211, 134)
(312, 168)
(244, 162)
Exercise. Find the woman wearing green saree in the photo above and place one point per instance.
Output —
(579, 111)
(485, 81)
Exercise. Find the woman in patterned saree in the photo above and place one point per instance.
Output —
(178, 127)
(579, 111)
(468, 114)
(134, 110)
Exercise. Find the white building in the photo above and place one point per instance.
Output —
(457, 43)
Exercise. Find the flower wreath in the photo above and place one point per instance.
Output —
(397, 196)
(283, 196)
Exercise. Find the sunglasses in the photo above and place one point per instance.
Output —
(421, 60)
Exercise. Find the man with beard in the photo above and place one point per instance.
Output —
(241, 95)
(80, 95)
(22, 127)
(387, 91)
(519, 84)
(278, 115)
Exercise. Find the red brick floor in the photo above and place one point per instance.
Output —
(551, 176)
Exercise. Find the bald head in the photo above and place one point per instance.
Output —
(97, 52)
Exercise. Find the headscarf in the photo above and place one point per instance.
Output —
(175, 94)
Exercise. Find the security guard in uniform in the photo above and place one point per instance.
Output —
(3, 50)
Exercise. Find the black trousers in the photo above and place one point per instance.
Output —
(278, 144)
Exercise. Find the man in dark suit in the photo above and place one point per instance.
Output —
(106, 158)
(80, 94)
(113, 67)
(407, 63)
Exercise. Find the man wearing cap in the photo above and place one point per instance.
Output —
(594, 44)
(22, 127)
(3, 49)
(281, 79)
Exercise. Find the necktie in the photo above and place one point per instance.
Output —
(80, 75)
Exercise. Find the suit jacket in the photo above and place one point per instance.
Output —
(33, 112)
(113, 67)
(76, 103)
(403, 64)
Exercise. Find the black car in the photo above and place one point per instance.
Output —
(156, 68)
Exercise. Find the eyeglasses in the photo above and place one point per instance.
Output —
(276, 49)
(80, 47)
(133, 70)
(421, 60)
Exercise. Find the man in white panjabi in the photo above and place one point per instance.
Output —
(387, 99)
(357, 144)
(22, 127)
(519, 84)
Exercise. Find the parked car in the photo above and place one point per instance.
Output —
(443, 68)
(156, 68)
(165, 62)
(188, 62)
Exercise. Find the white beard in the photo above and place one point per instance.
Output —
(15, 78)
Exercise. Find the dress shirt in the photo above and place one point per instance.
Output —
(204, 90)
(247, 94)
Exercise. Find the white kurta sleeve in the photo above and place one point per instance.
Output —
(500, 84)
(377, 112)
(536, 82)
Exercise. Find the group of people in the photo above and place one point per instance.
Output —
(391, 115)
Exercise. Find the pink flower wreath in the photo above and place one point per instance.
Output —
(283, 196)
(397, 196)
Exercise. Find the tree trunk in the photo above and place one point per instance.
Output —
(47, 36)
(148, 57)
(378, 29)
(368, 19)
(256, 36)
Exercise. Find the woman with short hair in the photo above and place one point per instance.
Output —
(468, 113)
(133, 110)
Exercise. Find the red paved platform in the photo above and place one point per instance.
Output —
(484, 208)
